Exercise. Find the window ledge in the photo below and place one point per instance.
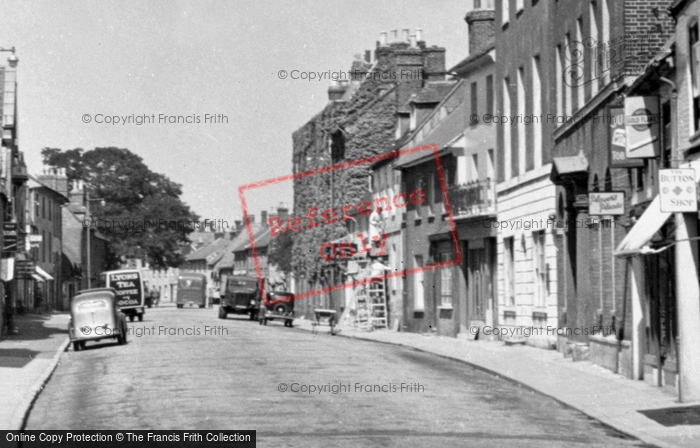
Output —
(445, 307)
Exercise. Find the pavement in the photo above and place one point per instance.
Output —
(635, 408)
(650, 414)
(27, 361)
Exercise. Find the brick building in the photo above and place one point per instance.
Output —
(47, 194)
(360, 120)
(455, 297)
(600, 48)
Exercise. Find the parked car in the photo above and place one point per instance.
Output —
(278, 306)
(95, 315)
(242, 296)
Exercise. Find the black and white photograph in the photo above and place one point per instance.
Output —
(366, 223)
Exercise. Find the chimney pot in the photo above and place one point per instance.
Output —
(406, 34)
(368, 56)
(419, 34)
(394, 36)
(383, 39)
(413, 41)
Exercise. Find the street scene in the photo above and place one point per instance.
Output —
(382, 223)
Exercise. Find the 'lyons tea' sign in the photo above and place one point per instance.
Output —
(606, 203)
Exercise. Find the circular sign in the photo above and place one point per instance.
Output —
(641, 119)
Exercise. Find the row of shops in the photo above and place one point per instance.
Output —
(576, 235)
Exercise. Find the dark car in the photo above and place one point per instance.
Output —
(241, 296)
(278, 306)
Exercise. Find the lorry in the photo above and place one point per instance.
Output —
(128, 286)
(241, 296)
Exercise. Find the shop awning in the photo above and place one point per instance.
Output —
(38, 278)
(643, 230)
(42, 273)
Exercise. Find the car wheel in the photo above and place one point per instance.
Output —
(141, 317)
(290, 324)
(264, 321)
(281, 308)
(76, 346)
(82, 345)
(131, 317)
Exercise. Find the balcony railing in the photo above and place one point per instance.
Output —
(473, 198)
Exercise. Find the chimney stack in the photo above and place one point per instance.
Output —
(481, 27)
(419, 34)
(336, 90)
(263, 217)
(413, 41)
(394, 36)
(382, 39)
(56, 179)
(406, 33)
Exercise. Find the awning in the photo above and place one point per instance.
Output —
(38, 278)
(42, 273)
(643, 230)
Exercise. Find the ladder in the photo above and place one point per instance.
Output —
(377, 303)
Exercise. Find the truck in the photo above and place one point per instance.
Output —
(241, 296)
(128, 286)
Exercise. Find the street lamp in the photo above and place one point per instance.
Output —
(89, 221)
(12, 60)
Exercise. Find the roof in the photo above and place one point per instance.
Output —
(228, 257)
(465, 64)
(36, 183)
(211, 252)
(243, 243)
(433, 92)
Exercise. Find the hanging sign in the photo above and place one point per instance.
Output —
(678, 191)
(617, 140)
(642, 126)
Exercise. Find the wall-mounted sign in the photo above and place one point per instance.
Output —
(617, 139)
(9, 236)
(606, 203)
(642, 126)
(25, 268)
(678, 191)
(7, 269)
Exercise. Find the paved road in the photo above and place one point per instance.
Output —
(229, 375)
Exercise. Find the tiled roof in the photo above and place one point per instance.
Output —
(209, 252)
(434, 92)
(471, 58)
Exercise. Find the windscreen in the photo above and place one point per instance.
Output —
(190, 283)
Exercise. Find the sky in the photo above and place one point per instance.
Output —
(83, 62)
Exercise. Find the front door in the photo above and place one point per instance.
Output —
(660, 353)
